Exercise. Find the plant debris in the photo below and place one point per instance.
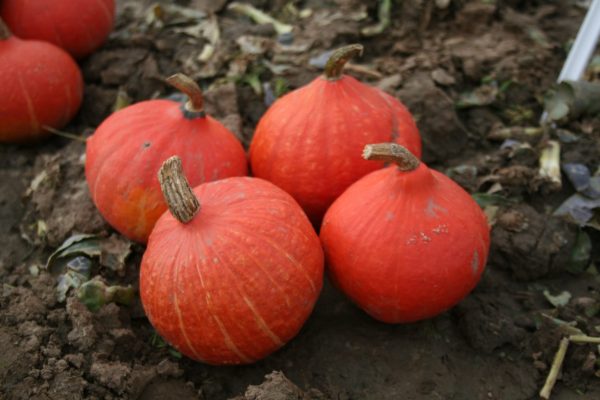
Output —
(550, 165)
(570, 100)
(95, 293)
(72, 262)
(581, 208)
(383, 14)
(559, 300)
(260, 17)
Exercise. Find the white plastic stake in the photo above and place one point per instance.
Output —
(583, 47)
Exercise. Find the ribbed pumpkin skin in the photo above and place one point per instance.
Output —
(79, 27)
(405, 246)
(128, 148)
(40, 84)
(238, 281)
(307, 142)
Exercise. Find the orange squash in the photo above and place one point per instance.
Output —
(40, 85)
(127, 149)
(307, 141)
(233, 271)
(77, 26)
(405, 242)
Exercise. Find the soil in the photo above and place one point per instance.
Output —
(464, 70)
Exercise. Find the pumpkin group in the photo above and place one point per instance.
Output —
(307, 140)
(405, 242)
(79, 27)
(232, 272)
(127, 149)
(40, 86)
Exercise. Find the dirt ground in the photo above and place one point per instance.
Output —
(465, 69)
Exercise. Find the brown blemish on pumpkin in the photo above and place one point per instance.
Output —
(475, 262)
(395, 129)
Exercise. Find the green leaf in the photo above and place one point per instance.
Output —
(72, 261)
(174, 353)
(157, 341)
(122, 100)
(580, 257)
(95, 293)
(486, 199)
(253, 80)
(280, 87)
(76, 245)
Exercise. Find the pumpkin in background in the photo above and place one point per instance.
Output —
(232, 272)
(40, 85)
(307, 140)
(405, 242)
(78, 26)
(127, 149)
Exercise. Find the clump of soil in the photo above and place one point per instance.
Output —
(277, 387)
(466, 70)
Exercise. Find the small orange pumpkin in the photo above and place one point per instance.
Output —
(127, 149)
(307, 141)
(233, 271)
(40, 85)
(405, 242)
(77, 26)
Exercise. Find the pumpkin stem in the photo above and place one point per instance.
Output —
(391, 152)
(176, 189)
(4, 31)
(339, 58)
(187, 85)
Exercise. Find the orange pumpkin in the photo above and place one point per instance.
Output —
(77, 26)
(405, 242)
(40, 85)
(233, 271)
(127, 149)
(307, 141)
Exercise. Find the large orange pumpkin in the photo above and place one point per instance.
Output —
(233, 271)
(127, 149)
(77, 26)
(405, 242)
(307, 142)
(40, 85)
